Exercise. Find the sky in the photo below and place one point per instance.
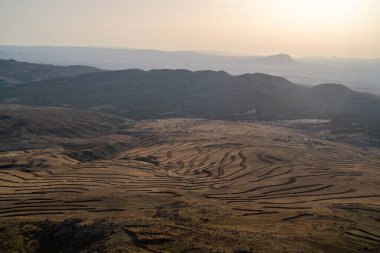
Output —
(345, 28)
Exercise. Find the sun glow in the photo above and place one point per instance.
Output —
(320, 12)
(299, 27)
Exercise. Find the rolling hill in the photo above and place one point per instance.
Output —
(201, 94)
(14, 72)
(84, 181)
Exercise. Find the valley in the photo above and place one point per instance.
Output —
(182, 185)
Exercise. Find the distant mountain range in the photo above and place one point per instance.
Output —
(358, 74)
(167, 93)
(13, 72)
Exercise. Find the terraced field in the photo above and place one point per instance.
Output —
(270, 189)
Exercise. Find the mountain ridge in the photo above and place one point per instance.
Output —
(205, 94)
(358, 74)
(14, 72)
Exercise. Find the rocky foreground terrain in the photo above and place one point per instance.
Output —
(84, 181)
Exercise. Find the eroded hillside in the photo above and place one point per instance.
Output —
(180, 185)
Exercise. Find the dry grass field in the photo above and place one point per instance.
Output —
(182, 185)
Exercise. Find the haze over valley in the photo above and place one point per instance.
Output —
(357, 73)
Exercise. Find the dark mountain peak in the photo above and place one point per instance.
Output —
(332, 88)
(266, 78)
(332, 93)
(220, 72)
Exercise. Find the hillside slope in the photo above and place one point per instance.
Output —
(14, 72)
(202, 94)
(82, 181)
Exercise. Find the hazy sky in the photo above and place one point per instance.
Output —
(349, 28)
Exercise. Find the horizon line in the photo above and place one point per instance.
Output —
(200, 51)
